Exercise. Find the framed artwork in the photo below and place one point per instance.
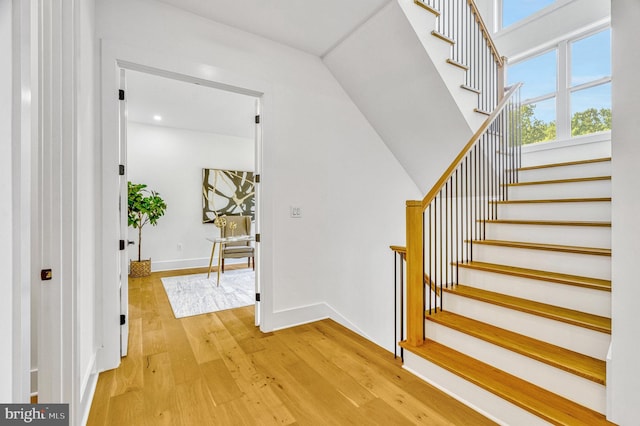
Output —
(227, 192)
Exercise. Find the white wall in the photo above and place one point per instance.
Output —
(624, 371)
(6, 235)
(319, 154)
(170, 161)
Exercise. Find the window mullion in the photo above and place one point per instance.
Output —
(563, 107)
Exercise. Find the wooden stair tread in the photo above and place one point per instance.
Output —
(567, 163)
(575, 363)
(457, 64)
(555, 181)
(558, 200)
(557, 313)
(534, 399)
(575, 280)
(427, 7)
(548, 247)
(443, 37)
(550, 222)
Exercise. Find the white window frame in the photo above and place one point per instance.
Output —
(563, 79)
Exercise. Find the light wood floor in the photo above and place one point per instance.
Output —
(218, 369)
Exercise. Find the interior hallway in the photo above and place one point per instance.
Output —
(220, 369)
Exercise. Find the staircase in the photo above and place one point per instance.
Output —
(401, 74)
(523, 336)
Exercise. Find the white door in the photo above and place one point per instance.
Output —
(123, 205)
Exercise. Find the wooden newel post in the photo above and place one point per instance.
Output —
(415, 273)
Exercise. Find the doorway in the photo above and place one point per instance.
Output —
(171, 129)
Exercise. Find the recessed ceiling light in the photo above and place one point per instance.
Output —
(157, 117)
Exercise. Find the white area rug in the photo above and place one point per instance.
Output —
(195, 294)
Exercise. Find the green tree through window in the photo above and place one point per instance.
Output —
(582, 123)
(590, 121)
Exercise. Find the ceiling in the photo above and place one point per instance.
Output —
(188, 106)
(314, 26)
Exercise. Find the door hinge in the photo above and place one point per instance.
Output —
(122, 244)
(121, 95)
(257, 119)
(257, 238)
(46, 274)
(123, 319)
(257, 297)
(256, 178)
(121, 169)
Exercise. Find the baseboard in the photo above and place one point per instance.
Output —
(87, 398)
(87, 391)
(287, 318)
(173, 265)
(170, 265)
(34, 381)
(308, 314)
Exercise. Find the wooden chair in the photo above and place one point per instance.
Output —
(238, 249)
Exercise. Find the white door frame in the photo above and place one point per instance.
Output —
(123, 266)
(114, 58)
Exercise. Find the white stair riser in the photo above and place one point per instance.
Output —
(555, 191)
(596, 302)
(566, 172)
(584, 211)
(545, 260)
(575, 338)
(584, 236)
(553, 153)
(578, 389)
(501, 411)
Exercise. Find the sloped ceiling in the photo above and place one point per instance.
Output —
(312, 26)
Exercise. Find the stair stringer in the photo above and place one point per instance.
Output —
(398, 85)
(423, 23)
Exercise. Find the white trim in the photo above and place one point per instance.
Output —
(571, 36)
(533, 17)
(87, 398)
(177, 264)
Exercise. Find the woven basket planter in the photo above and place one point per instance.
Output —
(140, 269)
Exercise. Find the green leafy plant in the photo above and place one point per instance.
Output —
(145, 206)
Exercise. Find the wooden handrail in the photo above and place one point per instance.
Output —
(399, 249)
(452, 167)
(487, 34)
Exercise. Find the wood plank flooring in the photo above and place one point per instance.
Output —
(219, 369)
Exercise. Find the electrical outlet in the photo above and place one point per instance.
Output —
(295, 212)
(179, 246)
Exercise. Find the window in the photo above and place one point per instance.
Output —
(539, 92)
(517, 10)
(567, 90)
(590, 89)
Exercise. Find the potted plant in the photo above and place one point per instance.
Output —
(145, 206)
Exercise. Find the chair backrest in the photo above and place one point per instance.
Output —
(243, 228)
